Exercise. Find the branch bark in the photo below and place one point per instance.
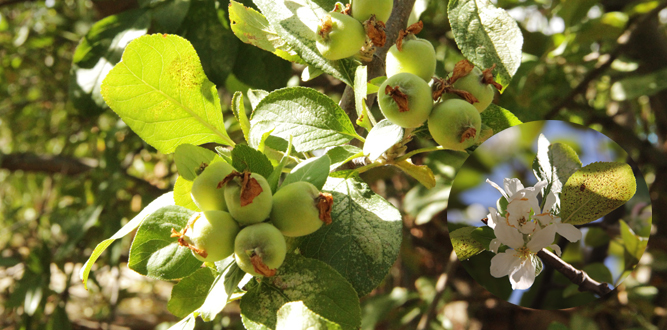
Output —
(576, 276)
(46, 164)
(623, 45)
(440, 287)
(376, 68)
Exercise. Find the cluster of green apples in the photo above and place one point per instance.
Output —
(406, 98)
(340, 35)
(235, 208)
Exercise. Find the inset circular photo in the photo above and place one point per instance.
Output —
(549, 215)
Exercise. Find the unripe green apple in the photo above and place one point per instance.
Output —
(405, 100)
(455, 124)
(295, 209)
(363, 9)
(212, 236)
(260, 249)
(417, 56)
(249, 211)
(205, 192)
(473, 83)
(339, 36)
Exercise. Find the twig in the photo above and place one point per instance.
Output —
(397, 22)
(576, 276)
(623, 43)
(11, 2)
(440, 287)
(30, 162)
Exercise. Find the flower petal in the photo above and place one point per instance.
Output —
(550, 202)
(512, 186)
(523, 276)
(497, 187)
(570, 232)
(556, 249)
(509, 236)
(503, 263)
(527, 228)
(493, 217)
(542, 238)
(494, 245)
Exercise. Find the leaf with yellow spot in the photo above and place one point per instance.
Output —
(595, 190)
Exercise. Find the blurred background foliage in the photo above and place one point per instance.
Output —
(71, 173)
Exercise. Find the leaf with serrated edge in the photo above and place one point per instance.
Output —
(313, 119)
(464, 244)
(183, 194)
(421, 173)
(498, 118)
(98, 52)
(296, 22)
(154, 253)
(296, 316)
(595, 190)
(323, 290)
(222, 288)
(160, 90)
(190, 293)
(239, 112)
(189, 158)
(383, 136)
(252, 28)
(364, 238)
(314, 170)
(246, 158)
(342, 154)
(164, 200)
(487, 35)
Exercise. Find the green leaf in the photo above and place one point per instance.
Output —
(168, 14)
(554, 163)
(222, 288)
(158, 203)
(595, 190)
(634, 245)
(464, 244)
(421, 173)
(274, 178)
(483, 235)
(295, 22)
(364, 238)
(215, 43)
(599, 272)
(343, 154)
(154, 253)
(159, 89)
(259, 69)
(190, 293)
(596, 237)
(498, 118)
(313, 119)
(360, 86)
(253, 28)
(188, 323)
(296, 316)
(238, 108)
(487, 35)
(247, 158)
(98, 52)
(182, 194)
(313, 170)
(255, 96)
(383, 136)
(373, 86)
(635, 86)
(190, 158)
(321, 289)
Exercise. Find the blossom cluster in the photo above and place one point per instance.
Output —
(525, 228)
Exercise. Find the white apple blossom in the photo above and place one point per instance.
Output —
(517, 261)
(546, 217)
(521, 201)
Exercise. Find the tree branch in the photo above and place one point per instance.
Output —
(440, 287)
(397, 22)
(623, 44)
(576, 276)
(39, 163)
